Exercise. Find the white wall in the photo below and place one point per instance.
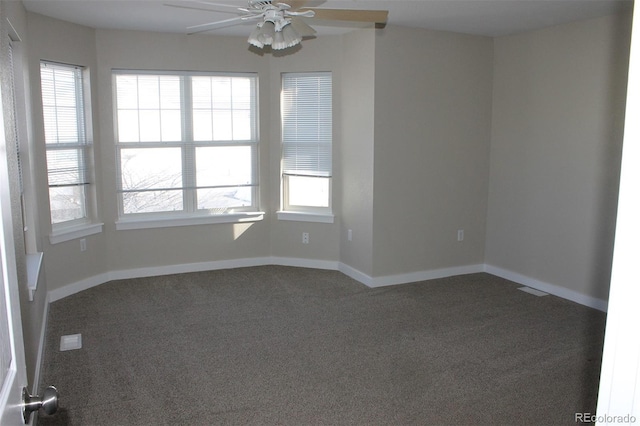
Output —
(146, 248)
(558, 109)
(357, 98)
(321, 54)
(432, 134)
(54, 40)
(415, 113)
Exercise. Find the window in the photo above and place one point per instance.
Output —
(67, 145)
(306, 109)
(186, 143)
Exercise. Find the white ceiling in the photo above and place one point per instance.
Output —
(480, 17)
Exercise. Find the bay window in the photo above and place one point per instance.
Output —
(187, 143)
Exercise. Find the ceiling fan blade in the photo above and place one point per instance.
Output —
(218, 24)
(379, 17)
(296, 4)
(223, 8)
(302, 28)
(222, 5)
(282, 6)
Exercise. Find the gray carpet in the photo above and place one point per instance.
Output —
(293, 346)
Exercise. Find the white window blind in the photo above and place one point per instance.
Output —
(307, 124)
(306, 111)
(66, 140)
(187, 142)
(16, 140)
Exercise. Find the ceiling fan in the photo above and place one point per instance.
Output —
(279, 25)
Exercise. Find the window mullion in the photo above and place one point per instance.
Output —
(188, 148)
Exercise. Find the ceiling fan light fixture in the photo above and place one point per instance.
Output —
(280, 25)
(267, 33)
(253, 37)
(290, 36)
(278, 41)
(277, 33)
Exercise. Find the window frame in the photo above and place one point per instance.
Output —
(190, 213)
(307, 213)
(87, 224)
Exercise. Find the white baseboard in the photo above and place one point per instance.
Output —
(357, 275)
(305, 263)
(155, 271)
(77, 287)
(433, 274)
(556, 290)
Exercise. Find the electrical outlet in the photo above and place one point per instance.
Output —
(305, 238)
(83, 244)
(460, 234)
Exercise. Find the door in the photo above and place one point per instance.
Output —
(13, 373)
(619, 393)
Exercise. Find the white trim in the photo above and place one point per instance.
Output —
(152, 271)
(372, 282)
(34, 265)
(41, 348)
(556, 290)
(9, 380)
(305, 263)
(305, 216)
(13, 34)
(72, 233)
(166, 222)
(155, 271)
(77, 287)
(433, 274)
(356, 274)
(152, 72)
(619, 388)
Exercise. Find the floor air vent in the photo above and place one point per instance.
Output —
(533, 291)
(70, 342)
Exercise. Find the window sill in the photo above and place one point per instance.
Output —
(34, 265)
(305, 216)
(75, 232)
(167, 222)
